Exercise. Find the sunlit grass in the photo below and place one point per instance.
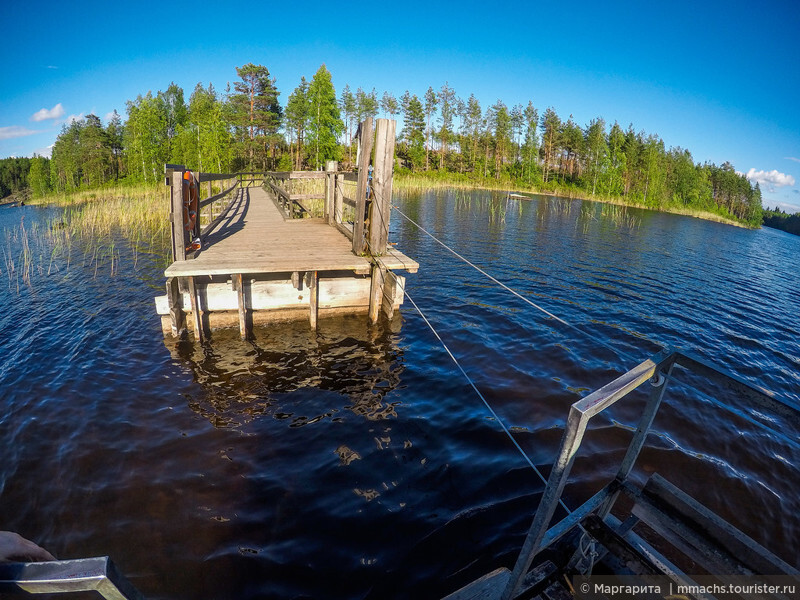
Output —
(92, 228)
(419, 182)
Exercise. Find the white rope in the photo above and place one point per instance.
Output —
(475, 387)
(477, 268)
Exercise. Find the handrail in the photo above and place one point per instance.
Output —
(174, 174)
(65, 576)
(658, 370)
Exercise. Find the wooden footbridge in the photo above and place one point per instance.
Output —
(281, 245)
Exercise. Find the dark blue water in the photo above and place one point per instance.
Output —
(357, 462)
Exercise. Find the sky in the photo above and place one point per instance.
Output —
(719, 78)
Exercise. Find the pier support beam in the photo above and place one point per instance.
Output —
(196, 317)
(330, 190)
(376, 292)
(382, 186)
(312, 281)
(366, 140)
(238, 283)
(175, 301)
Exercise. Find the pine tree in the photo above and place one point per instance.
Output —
(256, 112)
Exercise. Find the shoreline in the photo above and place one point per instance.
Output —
(403, 182)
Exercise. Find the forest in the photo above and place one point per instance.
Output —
(441, 137)
(777, 219)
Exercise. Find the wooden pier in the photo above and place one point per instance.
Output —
(270, 251)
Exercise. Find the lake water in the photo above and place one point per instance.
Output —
(357, 462)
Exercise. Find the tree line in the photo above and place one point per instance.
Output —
(442, 135)
(777, 219)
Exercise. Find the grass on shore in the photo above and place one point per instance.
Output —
(92, 227)
(417, 182)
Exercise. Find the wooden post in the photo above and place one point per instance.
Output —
(390, 288)
(238, 283)
(376, 292)
(382, 186)
(175, 301)
(313, 298)
(176, 217)
(196, 318)
(365, 142)
(330, 187)
(338, 199)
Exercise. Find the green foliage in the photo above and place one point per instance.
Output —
(413, 134)
(13, 175)
(256, 115)
(777, 219)
(147, 144)
(39, 177)
(298, 111)
(324, 123)
(443, 136)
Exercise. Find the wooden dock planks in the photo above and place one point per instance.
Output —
(255, 238)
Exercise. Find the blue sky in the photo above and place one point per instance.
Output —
(721, 79)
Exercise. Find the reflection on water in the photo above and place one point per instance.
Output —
(241, 379)
(356, 462)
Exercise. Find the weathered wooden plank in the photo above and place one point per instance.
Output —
(488, 587)
(333, 292)
(391, 289)
(330, 188)
(313, 298)
(215, 176)
(366, 141)
(376, 292)
(216, 197)
(382, 186)
(196, 316)
(701, 521)
(176, 217)
(295, 174)
(175, 302)
(239, 286)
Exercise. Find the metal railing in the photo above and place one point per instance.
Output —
(65, 576)
(657, 370)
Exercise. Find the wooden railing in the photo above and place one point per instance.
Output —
(211, 209)
(358, 204)
(294, 205)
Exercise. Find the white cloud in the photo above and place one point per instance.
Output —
(54, 113)
(770, 179)
(794, 158)
(72, 118)
(15, 131)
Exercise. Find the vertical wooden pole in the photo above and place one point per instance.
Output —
(338, 199)
(330, 187)
(239, 283)
(376, 292)
(176, 216)
(313, 298)
(382, 186)
(390, 288)
(197, 320)
(365, 143)
(175, 301)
